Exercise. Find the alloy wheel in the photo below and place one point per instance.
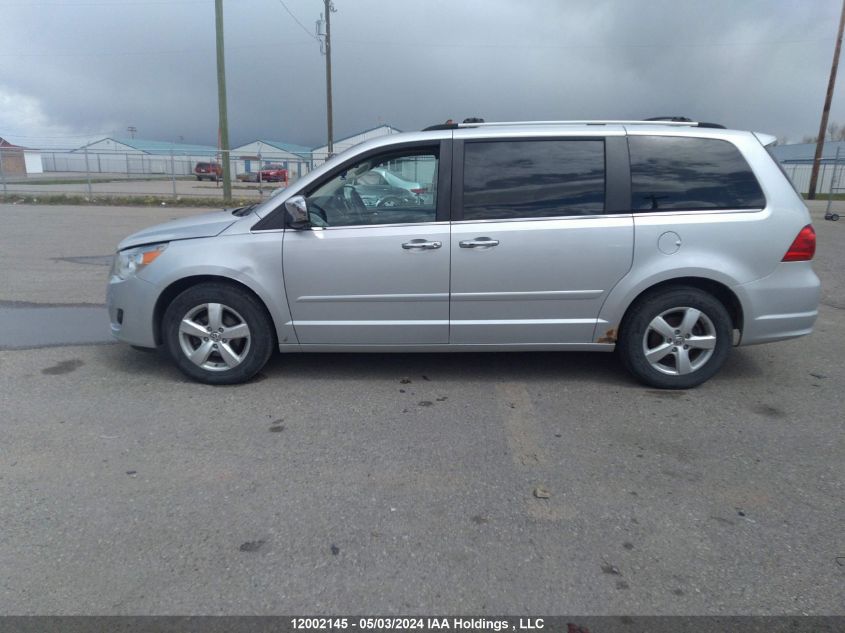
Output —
(679, 341)
(215, 337)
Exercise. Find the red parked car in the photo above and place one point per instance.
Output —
(274, 173)
(212, 171)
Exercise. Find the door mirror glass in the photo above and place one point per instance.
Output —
(297, 210)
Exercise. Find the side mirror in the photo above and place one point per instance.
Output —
(297, 210)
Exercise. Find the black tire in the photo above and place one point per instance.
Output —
(199, 178)
(238, 305)
(672, 303)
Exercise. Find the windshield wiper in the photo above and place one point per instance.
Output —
(242, 211)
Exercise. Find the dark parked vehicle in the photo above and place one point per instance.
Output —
(212, 171)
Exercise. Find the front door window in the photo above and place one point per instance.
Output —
(394, 189)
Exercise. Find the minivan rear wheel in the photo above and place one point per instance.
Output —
(676, 338)
(218, 334)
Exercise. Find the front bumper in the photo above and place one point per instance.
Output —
(780, 306)
(131, 304)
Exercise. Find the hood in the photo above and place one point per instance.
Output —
(204, 225)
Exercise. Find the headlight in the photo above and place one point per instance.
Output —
(127, 263)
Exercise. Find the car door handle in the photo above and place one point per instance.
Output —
(479, 242)
(423, 245)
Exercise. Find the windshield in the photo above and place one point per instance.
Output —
(395, 179)
(345, 178)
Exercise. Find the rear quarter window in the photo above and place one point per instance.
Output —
(670, 173)
(775, 160)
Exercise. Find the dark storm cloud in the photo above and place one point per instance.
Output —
(90, 66)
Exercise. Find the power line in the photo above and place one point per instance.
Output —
(94, 134)
(423, 44)
(185, 51)
(531, 45)
(100, 3)
(295, 19)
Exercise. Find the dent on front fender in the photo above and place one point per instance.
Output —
(251, 260)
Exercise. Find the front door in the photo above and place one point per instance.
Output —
(373, 269)
(541, 236)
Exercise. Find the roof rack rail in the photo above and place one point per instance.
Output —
(677, 121)
(585, 122)
(683, 119)
(451, 125)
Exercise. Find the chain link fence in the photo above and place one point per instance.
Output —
(830, 173)
(81, 172)
(161, 174)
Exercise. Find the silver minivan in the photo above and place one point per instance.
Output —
(668, 242)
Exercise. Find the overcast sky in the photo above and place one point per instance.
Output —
(71, 69)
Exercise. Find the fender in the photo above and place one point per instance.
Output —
(254, 260)
(628, 289)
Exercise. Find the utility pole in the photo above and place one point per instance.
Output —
(826, 110)
(221, 103)
(326, 46)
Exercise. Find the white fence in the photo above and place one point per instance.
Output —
(799, 174)
(105, 172)
(117, 165)
(171, 164)
(120, 163)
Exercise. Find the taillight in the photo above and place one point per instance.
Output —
(803, 246)
(418, 191)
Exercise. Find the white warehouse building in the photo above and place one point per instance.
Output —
(251, 157)
(320, 154)
(130, 156)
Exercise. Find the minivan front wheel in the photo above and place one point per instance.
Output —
(218, 334)
(676, 339)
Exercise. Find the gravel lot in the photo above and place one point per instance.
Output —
(405, 483)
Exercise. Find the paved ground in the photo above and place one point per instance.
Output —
(38, 246)
(376, 483)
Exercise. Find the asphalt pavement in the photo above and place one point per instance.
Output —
(406, 483)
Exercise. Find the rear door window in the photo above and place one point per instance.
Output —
(533, 179)
(670, 173)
